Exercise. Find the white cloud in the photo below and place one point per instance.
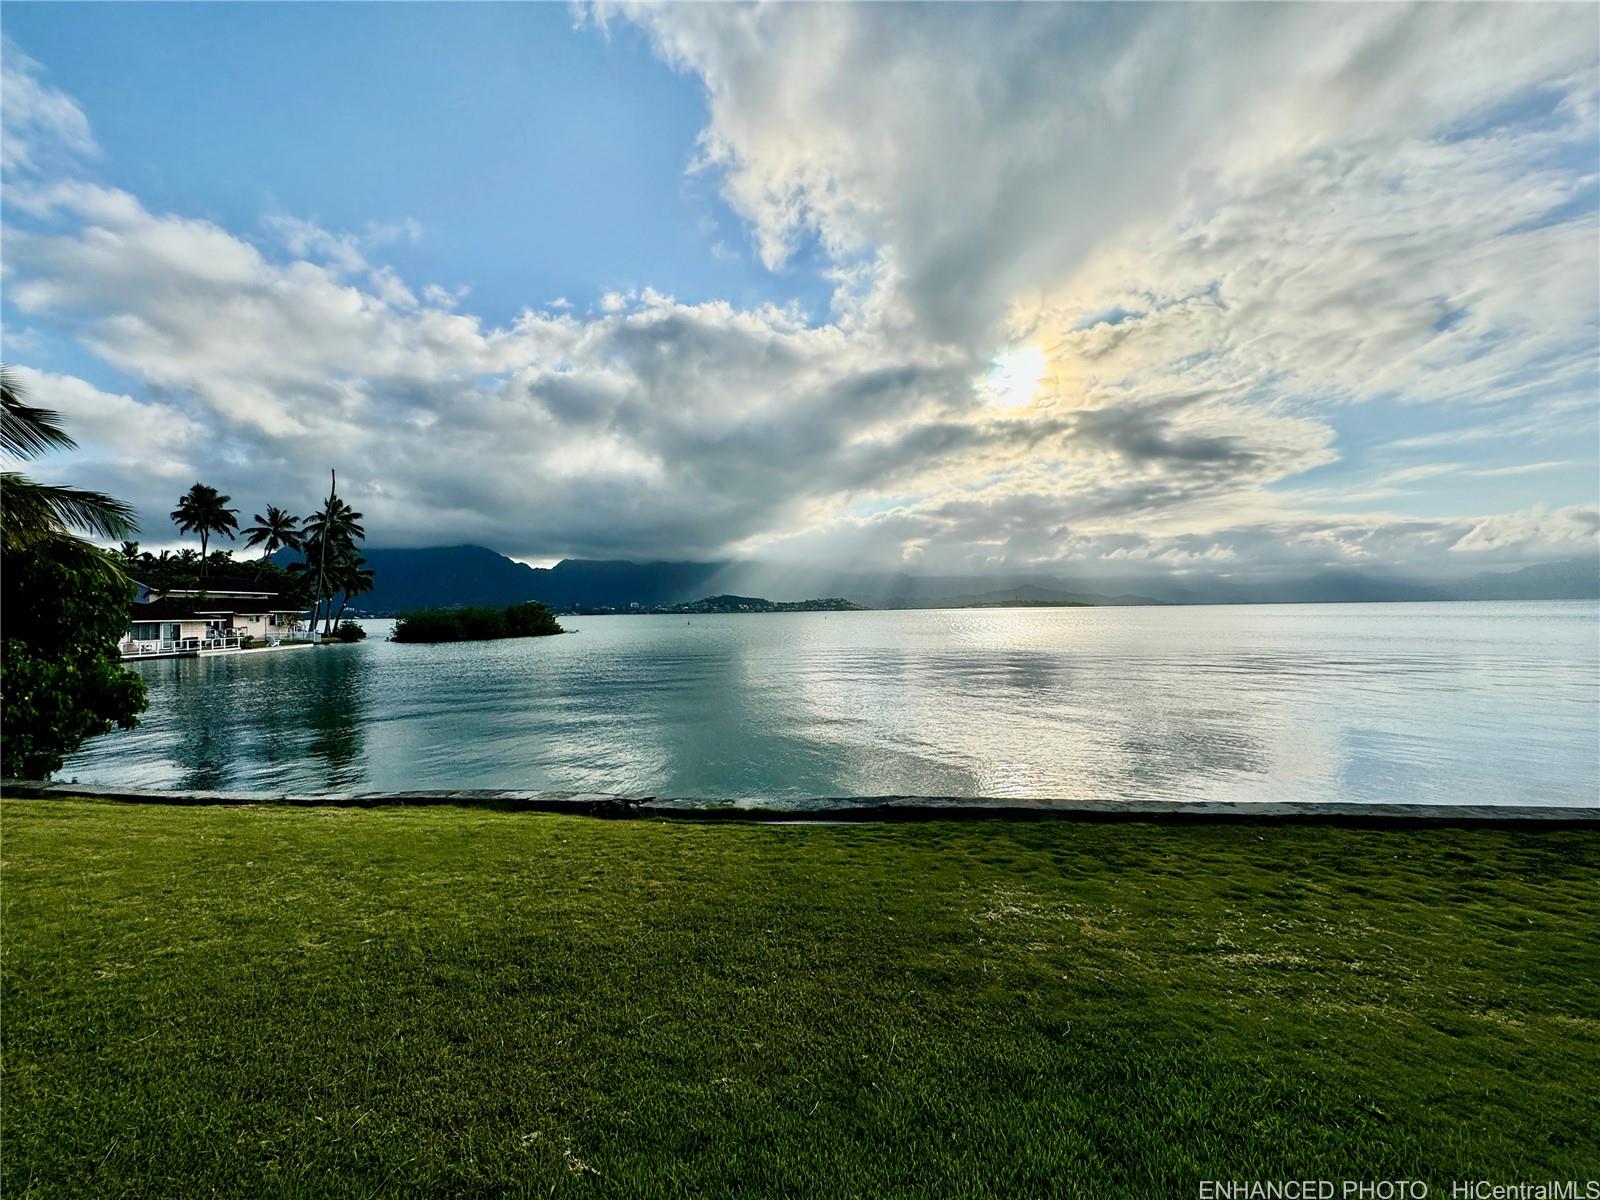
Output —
(1214, 231)
(1565, 531)
(40, 126)
(981, 153)
(1525, 468)
(657, 424)
(116, 434)
(307, 239)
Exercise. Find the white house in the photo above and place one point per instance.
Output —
(223, 615)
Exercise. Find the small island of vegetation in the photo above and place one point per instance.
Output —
(715, 604)
(480, 624)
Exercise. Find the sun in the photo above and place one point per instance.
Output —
(1015, 375)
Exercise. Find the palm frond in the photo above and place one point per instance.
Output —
(25, 430)
(31, 512)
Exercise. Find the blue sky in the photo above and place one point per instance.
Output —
(540, 161)
(1241, 290)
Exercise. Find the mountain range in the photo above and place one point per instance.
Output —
(444, 576)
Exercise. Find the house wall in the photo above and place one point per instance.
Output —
(255, 624)
(263, 627)
(185, 630)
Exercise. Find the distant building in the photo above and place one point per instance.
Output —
(219, 618)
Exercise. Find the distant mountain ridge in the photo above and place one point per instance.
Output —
(447, 576)
(1032, 593)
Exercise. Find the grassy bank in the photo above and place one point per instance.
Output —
(398, 1002)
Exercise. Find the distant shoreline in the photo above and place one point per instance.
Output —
(585, 611)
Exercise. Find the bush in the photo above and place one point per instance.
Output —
(61, 675)
(530, 620)
(346, 631)
(480, 624)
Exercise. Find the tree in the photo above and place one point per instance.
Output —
(61, 675)
(330, 541)
(354, 579)
(35, 514)
(130, 555)
(205, 511)
(275, 531)
(337, 522)
(65, 604)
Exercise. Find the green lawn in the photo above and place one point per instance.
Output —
(325, 1002)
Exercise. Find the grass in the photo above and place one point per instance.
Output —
(325, 1002)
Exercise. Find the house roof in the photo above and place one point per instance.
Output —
(186, 608)
(226, 585)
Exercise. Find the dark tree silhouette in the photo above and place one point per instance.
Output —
(204, 510)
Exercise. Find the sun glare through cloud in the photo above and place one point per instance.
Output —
(1015, 376)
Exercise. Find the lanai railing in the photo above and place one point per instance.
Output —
(218, 642)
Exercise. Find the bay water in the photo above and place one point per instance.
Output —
(1440, 703)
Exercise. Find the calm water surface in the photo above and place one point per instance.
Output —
(1400, 702)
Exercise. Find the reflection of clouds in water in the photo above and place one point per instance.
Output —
(1053, 721)
(1352, 702)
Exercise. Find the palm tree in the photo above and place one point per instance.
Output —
(275, 531)
(130, 554)
(33, 514)
(336, 520)
(160, 571)
(332, 532)
(355, 579)
(205, 511)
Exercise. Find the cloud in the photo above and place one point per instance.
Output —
(1216, 231)
(143, 451)
(1525, 468)
(344, 252)
(655, 425)
(980, 154)
(1036, 532)
(1570, 530)
(307, 239)
(40, 126)
(1301, 200)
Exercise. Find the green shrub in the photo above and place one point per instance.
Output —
(346, 631)
(61, 675)
(530, 620)
(478, 624)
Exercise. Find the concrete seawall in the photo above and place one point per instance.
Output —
(836, 809)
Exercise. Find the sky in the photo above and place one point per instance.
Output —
(1222, 290)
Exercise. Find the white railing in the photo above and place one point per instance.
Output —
(151, 647)
(189, 645)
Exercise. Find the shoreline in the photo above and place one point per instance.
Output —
(834, 810)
